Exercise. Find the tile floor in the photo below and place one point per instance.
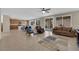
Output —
(19, 41)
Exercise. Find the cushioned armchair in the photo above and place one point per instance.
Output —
(39, 29)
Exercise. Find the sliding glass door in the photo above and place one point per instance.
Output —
(49, 23)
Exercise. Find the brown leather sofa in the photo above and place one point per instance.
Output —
(65, 31)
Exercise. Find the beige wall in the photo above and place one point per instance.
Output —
(0, 20)
(54, 21)
(6, 23)
(42, 20)
(74, 18)
(0, 23)
(34, 24)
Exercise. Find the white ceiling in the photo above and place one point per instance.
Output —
(32, 13)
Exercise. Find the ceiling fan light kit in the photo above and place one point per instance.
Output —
(44, 10)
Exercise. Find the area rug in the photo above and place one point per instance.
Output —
(54, 44)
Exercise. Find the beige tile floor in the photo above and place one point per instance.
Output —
(19, 41)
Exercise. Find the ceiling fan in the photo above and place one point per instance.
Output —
(45, 10)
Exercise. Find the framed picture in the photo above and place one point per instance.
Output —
(37, 22)
(32, 22)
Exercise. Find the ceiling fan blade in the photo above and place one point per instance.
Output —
(48, 9)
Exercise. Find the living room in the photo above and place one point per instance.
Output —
(59, 23)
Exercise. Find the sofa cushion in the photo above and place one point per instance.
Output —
(58, 28)
(55, 28)
(67, 29)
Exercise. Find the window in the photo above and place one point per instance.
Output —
(67, 21)
(37, 22)
(63, 21)
(58, 21)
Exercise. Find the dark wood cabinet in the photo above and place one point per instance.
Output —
(14, 23)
